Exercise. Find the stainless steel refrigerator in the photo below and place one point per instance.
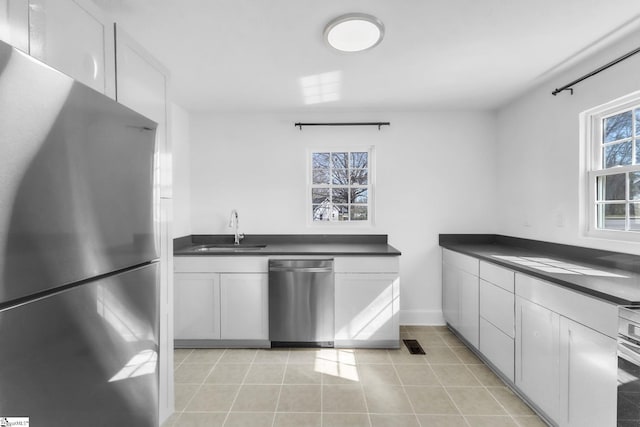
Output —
(78, 253)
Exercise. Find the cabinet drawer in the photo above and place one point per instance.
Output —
(223, 264)
(463, 262)
(592, 312)
(497, 306)
(499, 276)
(498, 348)
(368, 264)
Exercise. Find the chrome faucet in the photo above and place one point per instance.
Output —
(233, 223)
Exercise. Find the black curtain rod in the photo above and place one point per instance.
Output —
(379, 124)
(594, 72)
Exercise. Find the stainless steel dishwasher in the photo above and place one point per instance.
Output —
(301, 300)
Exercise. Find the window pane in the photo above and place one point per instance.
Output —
(612, 217)
(359, 176)
(634, 185)
(321, 176)
(359, 213)
(360, 160)
(339, 160)
(617, 154)
(611, 187)
(320, 160)
(637, 120)
(322, 212)
(618, 127)
(340, 177)
(634, 216)
(340, 213)
(319, 195)
(340, 195)
(359, 195)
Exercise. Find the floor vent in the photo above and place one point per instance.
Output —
(413, 346)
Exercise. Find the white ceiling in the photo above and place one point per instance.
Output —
(259, 55)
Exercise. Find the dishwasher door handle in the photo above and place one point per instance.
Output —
(301, 269)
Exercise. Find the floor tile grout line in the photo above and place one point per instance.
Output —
(404, 390)
(495, 398)
(479, 380)
(447, 391)
(240, 386)
(204, 379)
(284, 373)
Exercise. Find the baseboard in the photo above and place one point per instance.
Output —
(421, 317)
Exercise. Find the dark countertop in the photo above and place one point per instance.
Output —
(289, 244)
(611, 276)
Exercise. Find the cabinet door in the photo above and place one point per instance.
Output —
(142, 86)
(366, 307)
(450, 297)
(74, 37)
(588, 376)
(537, 355)
(197, 306)
(14, 23)
(244, 306)
(497, 347)
(469, 315)
(497, 306)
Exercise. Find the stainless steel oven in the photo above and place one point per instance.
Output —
(629, 367)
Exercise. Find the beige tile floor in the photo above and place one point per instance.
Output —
(447, 387)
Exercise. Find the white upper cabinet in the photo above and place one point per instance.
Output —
(75, 37)
(142, 86)
(14, 23)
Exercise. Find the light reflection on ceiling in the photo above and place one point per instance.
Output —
(320, 88)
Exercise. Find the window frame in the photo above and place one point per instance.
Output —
(370, 221)
(592, 124)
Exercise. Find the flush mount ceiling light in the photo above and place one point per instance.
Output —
(354, 32)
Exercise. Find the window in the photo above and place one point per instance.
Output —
(340, 186)
(613, 131)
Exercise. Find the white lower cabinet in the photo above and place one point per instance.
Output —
(197, 306)
(537, 355)
(450, 295)
(244, 306)
(366, 308)
(460, 294)
(588, 376)
(367, 302)
(566, 368)
(497, 347)
(561, 354)
(497, 325)
(469, 326)
(221, 306)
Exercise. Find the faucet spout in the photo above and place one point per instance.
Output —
(234, 223)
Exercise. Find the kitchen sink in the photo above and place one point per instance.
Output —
(221, 247)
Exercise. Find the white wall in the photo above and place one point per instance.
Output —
(180, 145)
(435, 173)
(539, 150)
